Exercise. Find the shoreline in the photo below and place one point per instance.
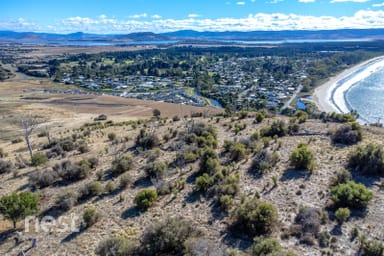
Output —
(330, 96)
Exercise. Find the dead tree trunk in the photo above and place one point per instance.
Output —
(28, 123)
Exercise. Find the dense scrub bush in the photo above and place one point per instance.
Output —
(146, 198)
(121, 164)
(90, 216)
(83, 147)
(209, 162)
(309, 221)
(167, 237)
(5, 166)
(202, 135)
(101, 117)
(125, 180)
(300, 116)
(277, 128)
(226, 184)
(260, 115)
(302, 158)
(264, 160)
(72, 171)
(336, 117)
(185, 158)
(116, 245)
(368, 160)
(204, 182)
(371, 248)
(43, 178)
(156, 170)
(202, 246)
(237, 152)
(147, 140)
(347, 134)
(351, 195)
(255, 217)
(266, 247)
(38, 159)
(342, 214)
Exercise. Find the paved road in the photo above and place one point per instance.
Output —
(288, 103)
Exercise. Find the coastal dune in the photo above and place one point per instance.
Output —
(329, 97)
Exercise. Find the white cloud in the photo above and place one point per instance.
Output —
(355, 1)
(156, 16)
(240, 3)
(138, 16)
(275, 1)
(307, 1)
(378, 5)
(253, 22)
(193, 15)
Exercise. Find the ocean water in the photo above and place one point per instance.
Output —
(367, 97)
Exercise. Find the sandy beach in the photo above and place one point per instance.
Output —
(324, 94)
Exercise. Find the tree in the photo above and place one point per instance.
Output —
(18, 205)
(28, 123)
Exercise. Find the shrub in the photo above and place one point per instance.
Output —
(156, 170)
(17, 140)
(146, 198)
(302, 158)
(347, 134)
(42, 179)
(255, 217)
(237, 152)
(259, 116)
(71, 172)
(371, 248)
(17, 206)
(168, 236)
(369, 160)
(278, 128)
(101, 117)
(147, 141)
(307, 223)
(38, 159)
(209, 162)
(125, 180)
(175, 118)
(342, 176)
(226, 202)
(93, 188)
(111, 136)
(342, 214)
(83, 148)
(301, 116)
(66, 200)
(203, 182)
(266, 246)
(90, 216)
(198, 246)
(264, 160)
(116, 245)
(351, 195)
(156, 112)
(2, 153)
(5, 166)
(121, 165)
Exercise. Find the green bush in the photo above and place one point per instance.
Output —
(146, 198)
(302, 158)
(90, 216)
(301, 116)
(209, 162)
(342, 176)
(342, 214)
(116, 245)
(351, 195)
(17, 206)
(266, 247)
(168, 236)
(66, 200)
(237, 152)
(369, 160)
(93, 188)
(203, 182)
(255, 217)
(347, 134)
(156, 170)
(121, 165)
(278, 128)
(71, 172)
(147, 141)
(125, 180)
(38, 159)
(371, 248)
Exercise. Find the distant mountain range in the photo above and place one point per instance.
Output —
(191, 35)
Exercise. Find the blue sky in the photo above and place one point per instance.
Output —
(126, 16)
